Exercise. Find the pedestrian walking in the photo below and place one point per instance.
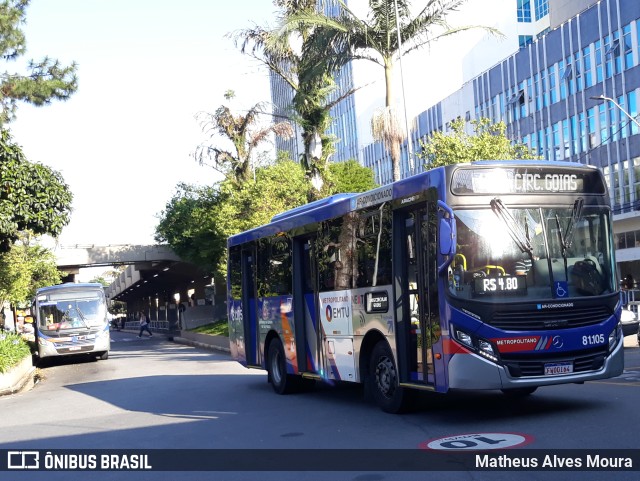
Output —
(144, 324)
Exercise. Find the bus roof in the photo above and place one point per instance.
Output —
(340, 204)
(69, 286)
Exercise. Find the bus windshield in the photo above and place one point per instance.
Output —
(61, 315)
(513, 253)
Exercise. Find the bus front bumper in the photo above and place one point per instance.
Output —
(471, 371)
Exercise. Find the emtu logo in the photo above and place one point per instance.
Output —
(23, 460)
(329, 313)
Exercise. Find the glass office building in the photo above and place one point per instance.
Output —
(571, 94)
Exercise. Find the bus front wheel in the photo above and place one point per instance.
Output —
(103, 356)
(384, 381)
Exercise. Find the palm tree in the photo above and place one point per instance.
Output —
(241, 130)
(388, 28)
(313, 86)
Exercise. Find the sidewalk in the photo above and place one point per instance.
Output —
(188, 338)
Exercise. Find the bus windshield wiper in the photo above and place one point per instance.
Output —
(576, 214)
(83, 319)
(566, 238)
(517, 233)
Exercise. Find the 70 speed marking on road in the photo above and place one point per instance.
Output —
(477, 442)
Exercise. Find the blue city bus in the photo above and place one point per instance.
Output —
(481, 276)
(71, 319)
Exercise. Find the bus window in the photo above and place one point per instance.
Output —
(550, 242)
(373, 245)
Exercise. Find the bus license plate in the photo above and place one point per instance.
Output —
(555, 368)
(74, 348)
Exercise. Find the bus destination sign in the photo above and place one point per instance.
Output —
(524, 181)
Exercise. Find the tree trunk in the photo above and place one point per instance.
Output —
(394, 148)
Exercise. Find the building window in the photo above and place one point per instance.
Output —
(524, 40)
(598, 56)
(542, 148)
(566, 139)
(614, 125)
(542, 8)
(627, 47)
(577, 67)
(558, 149)
(613, 59)
(583, 132)
(586, 55)
(615, 184)
(562, 72)
(636, 176)
(524, 11)
(575, 137)
(633, 111)
(552, 96)
(602, 114)
(591, 126)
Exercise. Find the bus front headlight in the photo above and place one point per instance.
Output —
(486, 349)
(464, 338)
(477, 344)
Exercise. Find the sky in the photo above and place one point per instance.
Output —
(146, 68)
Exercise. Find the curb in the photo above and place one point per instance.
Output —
(18, 379)
(190, 339)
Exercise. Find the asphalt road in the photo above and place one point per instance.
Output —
(155, 394)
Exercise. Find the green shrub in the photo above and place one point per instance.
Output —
(218, 328)
(13, 349)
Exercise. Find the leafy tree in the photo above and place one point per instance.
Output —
(244, 134)
(26, 267)
(197, 220)
(189, 224)
(46, 79)
(350, 176)
(346, 37)
(33, 197)
(488, 142)
(277, 188)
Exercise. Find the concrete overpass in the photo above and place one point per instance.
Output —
(155, 280)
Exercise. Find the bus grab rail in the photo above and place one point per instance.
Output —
(448, 236)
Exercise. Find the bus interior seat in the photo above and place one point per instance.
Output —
(541, 268)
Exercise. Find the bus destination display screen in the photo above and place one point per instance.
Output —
(524, 181)
(483, 286)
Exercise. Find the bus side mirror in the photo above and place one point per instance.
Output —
(448, 236)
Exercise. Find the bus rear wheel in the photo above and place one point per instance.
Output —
(282, 382)
(384, 381)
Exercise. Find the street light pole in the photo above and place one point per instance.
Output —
(602, 97)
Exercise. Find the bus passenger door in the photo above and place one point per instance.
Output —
(305, 310)
(419, 310)
(249, 320)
